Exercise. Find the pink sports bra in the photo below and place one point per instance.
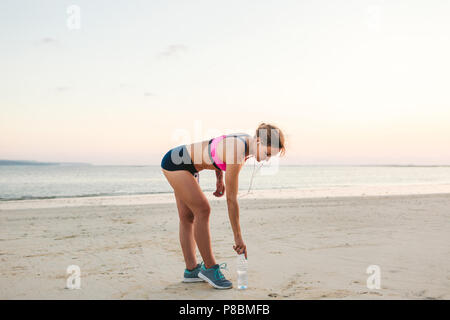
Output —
(212, 145)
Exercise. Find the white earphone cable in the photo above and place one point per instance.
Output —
(251, 180)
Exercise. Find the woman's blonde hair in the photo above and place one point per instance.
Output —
(270, 135)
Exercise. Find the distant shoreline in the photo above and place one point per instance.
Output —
(38, 163)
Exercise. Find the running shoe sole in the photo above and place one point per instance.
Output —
(189, 280)
(200, 275)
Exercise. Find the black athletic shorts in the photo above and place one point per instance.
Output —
(179, 160)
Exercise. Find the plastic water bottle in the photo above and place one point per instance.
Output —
(241, 267)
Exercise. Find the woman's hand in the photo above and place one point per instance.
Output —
(220, 189)
(240, 246)
(220, 186)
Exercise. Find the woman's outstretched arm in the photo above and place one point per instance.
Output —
(232, 183)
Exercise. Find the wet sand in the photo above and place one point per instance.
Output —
(299, 248)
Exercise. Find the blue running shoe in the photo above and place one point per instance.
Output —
(215, 277)
(192, 275)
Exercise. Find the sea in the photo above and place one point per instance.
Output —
(22, 182)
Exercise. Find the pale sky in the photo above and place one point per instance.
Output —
(349, 82)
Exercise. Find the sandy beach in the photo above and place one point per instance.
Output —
(299, 247)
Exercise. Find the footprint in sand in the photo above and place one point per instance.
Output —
(176, 287)
(371, 292)
(296, 286)
(339, 294)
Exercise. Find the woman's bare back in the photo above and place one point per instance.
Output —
(199, 152)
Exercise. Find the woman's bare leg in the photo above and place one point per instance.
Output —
(187, 240)
(188, 191)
